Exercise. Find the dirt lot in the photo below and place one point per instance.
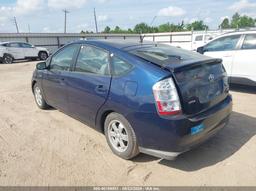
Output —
(50, 148)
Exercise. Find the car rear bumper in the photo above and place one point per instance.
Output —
(169, 137)
(160, 154)
(169, 155)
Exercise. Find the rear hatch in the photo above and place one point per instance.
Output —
(201, 84)
(201, 81)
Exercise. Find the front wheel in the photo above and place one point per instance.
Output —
(7, 59)
(43, 55)
(120, 136)
(40, 101)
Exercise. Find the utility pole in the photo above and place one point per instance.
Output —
(154, 18)
(15, 22)
(65, 20)
(95, 20)
(151, 24)
(28, 28)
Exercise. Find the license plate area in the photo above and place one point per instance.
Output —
(197, 129)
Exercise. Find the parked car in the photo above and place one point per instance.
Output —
(238, 52)
(199, 40)
(10, 51)
(148, 98)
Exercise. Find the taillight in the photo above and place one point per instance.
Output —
(166, 97)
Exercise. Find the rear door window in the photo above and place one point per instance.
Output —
(14, 45)
(249, 42)
(223, 44)
(120, 67)
(199, 38)
(92, 60)
(26, 45)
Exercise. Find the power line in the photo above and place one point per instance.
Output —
(95, 20)
(65, 20)
(16, 24)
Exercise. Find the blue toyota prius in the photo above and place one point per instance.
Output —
(148, 98)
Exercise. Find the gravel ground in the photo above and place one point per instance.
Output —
(41, 148)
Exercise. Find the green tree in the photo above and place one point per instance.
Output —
(225, 24)
(142, 28)
(107, 29)
(130, 30)
(197, 26)
(117, 30)
(164, 27)
(235, 21)
(239, 21)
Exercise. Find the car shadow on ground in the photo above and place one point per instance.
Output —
(228, 141)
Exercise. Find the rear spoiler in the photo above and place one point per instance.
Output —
(192, 64)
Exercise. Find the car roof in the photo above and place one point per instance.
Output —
(231, 34)
(118, 44)
(12, 42)
(238, 33)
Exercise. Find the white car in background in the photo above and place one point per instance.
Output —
(10, 51)
(199, 40)
(238, 52)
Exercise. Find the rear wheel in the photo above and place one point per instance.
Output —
(7, 59)
(43, 55)
(40, 101)
(120, 136)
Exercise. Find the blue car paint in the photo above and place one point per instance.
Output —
(131, 95)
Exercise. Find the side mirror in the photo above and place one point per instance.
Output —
(41, 66)
(200, 50)
(32, 46)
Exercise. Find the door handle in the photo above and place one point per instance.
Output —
(100, 89)
(62, 81)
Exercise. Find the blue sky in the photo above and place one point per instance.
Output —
(47, 15)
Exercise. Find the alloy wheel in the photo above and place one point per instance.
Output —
(38, 96)
(118, 136)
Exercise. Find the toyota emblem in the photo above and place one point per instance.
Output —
(211, 78)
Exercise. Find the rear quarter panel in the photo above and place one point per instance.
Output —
(131, 94)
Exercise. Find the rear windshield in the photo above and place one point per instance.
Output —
(165, 54)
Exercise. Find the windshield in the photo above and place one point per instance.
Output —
(165, 54)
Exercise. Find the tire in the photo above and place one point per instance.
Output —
(43, 55)
(33, 59)
(39, 98)
(120, 136)
(7, 59)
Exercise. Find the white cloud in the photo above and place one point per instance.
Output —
(208, 20)
(3, 20)
(171, 11)
(224, 17)
(242, 5)
(28, 6)
(80, 27)
(102, 18)
(22, 7)
(102, 1)
(66, 4)
(193, 20)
